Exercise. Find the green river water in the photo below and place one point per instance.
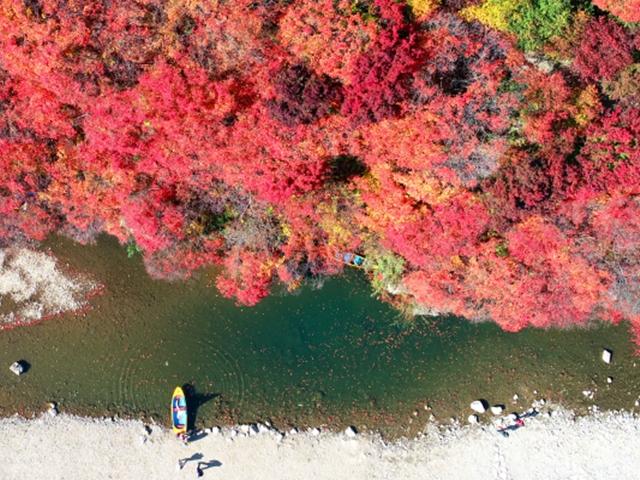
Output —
(331, 356)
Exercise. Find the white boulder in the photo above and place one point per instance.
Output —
(478, 406)
(350, 432)
(473, 419)
(315, 432)
(606, 355)
(609, 379)
(17, 368)
(497, 409)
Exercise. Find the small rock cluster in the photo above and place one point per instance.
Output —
(480, 407)
(589, 393)
(249, 430)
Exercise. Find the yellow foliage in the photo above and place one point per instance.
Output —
(422, 7)
(333, 224)
(286, 229)
(493, 13)
(587, 106)
(457, 262)
(422, 187)
(195, 229)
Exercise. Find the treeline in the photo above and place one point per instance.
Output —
(483, 155)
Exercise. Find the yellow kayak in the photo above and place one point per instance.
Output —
(179, 411)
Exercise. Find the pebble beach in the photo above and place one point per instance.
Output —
(556, 444)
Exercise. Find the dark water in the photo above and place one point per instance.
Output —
(333, 355)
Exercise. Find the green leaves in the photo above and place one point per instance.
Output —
(536, 21)
(132, 248)
(387, 270)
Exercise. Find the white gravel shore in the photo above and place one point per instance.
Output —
(601, 446)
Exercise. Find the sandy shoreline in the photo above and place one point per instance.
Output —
(560, 446)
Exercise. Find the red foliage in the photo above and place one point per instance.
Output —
(246, 277)
(447, 229)
(604, 50)
(270, 136)
(547, 110)
(381, 77)
(302, 96)
(542, 283)
(610, 158)
(521, 188)
(461, 85)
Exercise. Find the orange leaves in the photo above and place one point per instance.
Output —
(308, 27)
(626, 10)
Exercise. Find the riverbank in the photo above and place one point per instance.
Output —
(559, 445)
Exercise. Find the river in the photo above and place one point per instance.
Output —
(320, 356)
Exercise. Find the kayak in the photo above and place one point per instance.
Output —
(179, 411)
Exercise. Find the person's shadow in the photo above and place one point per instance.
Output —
(183, 461)
(194, 401)
(209, 464)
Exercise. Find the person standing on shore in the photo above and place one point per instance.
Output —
(199, 472)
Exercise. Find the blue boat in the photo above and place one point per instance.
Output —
(352, 259)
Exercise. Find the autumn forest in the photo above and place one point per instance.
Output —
(482, 155)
